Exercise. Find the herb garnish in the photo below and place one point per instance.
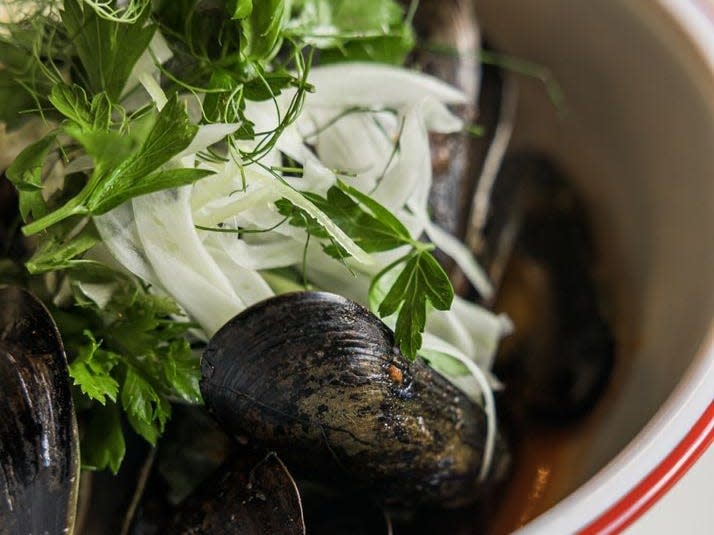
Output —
(421, 279)
(77, 65)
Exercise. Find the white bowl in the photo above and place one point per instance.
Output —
(638, 138)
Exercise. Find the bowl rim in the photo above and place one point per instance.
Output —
(683, 427)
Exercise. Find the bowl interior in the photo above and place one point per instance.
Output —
(637, 136)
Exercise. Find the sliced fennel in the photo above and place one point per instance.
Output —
(384, 150)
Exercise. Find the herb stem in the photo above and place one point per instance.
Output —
(74, 206)
(139, 491)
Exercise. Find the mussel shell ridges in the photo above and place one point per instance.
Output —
(318, 378)
(39, 470)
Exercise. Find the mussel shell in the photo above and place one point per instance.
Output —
(318, 378)
(39, 472)
(248, 496)
(540, 253)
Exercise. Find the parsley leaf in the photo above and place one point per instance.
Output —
(380, 215)
(92, 371)
(107, 49)
(146, 410)
(371, 226)
(25, 173)
(59, 252)
(137, 355)
(13, 96)
(240, 9)
(103, 445)
(369, 30)
(180, 370)
(422, 280)
(113, 183)
(262, 29)
(72, 102)
(298, 217)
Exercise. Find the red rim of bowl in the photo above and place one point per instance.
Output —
(700, 437)
(645, 494)
(694, 394)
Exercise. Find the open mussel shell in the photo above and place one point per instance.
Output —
(318, 378)
(539, 254)
(38, 431)
(249, 495)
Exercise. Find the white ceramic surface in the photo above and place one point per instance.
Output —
(687, 508)
(638, 137)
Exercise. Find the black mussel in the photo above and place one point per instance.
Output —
(539, 253)
(249, 495)
(38, 431)
(450, 41)
(192, 448)
(142, 498)
(318, 378)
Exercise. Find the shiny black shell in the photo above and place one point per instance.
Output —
(318, 378)
(39, 470)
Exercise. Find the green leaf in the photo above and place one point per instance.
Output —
(146, 410)
(369, 30)
(262, 29)
(161, 180)
(91, 371)
(113, 183)
(16, 45)
(25, 173)
(55, 254)
(373, 232)
(101, 112)
(143, 358)
(240, 9)
(422, 280)
(269, 84)
(370, 233)
(382, 283)
(338, 16)
(172, 132)
(108, 149)
(71, 101)
(393, 48)
(14, 98)
(108, 49)
(384, 216)
(182, 370)
(298, 217)
(222, 84)
(103, 441)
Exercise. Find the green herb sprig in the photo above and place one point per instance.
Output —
(421, 282)
(70, 64)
